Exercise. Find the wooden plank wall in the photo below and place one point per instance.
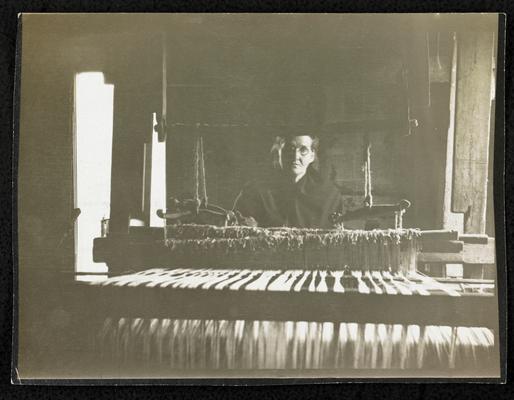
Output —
(472, 128)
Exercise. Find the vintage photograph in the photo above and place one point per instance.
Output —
(257, 196)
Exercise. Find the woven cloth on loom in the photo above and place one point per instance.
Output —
(224, 344)
(392, 249)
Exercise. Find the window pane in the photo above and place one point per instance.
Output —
(158, 179)
(93, 152)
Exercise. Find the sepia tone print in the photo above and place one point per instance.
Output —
(257, 196)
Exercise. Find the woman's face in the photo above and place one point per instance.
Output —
(297, 155)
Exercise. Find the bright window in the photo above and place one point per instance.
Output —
(158, 179)
(93, 152)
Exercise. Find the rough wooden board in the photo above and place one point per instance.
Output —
(471, 254)
(479, 253)
(477, 239)
(442, 246)
(440, 257)
(440, 235)
(473, 102)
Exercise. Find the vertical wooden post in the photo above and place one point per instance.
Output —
(472, 128)
(119, 214)
(147, 178)
(131, 128)
(451, 220)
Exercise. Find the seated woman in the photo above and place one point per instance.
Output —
(298, 196)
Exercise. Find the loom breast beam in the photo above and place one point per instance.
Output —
(373, 211)
(388, 288)
(219, 282)
(220, 278)
(338, 286)
(298, 286)
(206, 280)
(171, 278)
(369, 278)
(337, 275)
(417, 288)
(261, 283)
(278, 284)
(238, 285)
(224, 284)
(312, 285)
(254, 298)
(322, 287)
(126, 279)
(212, 278)
(362, 288)
(288, 286)
(317, 281)
(284, 282)
(193, 281)
(162, 279)
(313, 282)
(111, 280)
(178, 279)
(295, 276)
(166, 281)
(429, 282)
(403, 289)
(148, 279)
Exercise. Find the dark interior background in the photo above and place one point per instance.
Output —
(238, 81)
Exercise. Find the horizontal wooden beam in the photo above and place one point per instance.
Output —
(471, 254)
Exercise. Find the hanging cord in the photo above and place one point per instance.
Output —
(196, 182)
(160, 127)
(398, 219)
(368, 197)
(199, 205)
(203, 181)
(276, 152)
(439, 65)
